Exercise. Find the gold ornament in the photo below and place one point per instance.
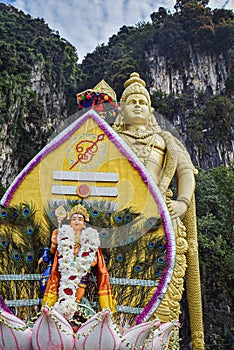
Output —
(101, 87)
(60, 213)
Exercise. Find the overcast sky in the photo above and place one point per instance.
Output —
(87, 23)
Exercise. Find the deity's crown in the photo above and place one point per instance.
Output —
(135, 85)
(79, 209)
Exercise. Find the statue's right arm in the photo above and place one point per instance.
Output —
(185, 190)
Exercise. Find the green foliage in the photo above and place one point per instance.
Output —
(170, 105)
(31, 42)
(171, 32)
(181, 3)
(230, 79)
(224, 31)
(218, 115)
(193, 25)
(198, 24)
(2, 190)
(159, 17)
(215, 202)
(114, 62)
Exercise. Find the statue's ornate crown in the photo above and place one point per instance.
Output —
(134, 78)
(80, 209)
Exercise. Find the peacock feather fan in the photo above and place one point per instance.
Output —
(22, 236)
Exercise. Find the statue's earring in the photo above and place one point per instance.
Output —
(150, 122)
(121, 121)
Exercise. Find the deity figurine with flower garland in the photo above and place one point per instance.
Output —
(76, 251)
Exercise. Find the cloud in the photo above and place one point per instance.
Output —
(85, 24)
(228, 4)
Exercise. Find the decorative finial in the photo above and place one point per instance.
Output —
(103, 87)
(60, 213)
(102, 98)
(134, 78)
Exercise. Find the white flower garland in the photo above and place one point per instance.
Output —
(72, 268)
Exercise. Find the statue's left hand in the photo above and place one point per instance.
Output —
(177, 209)
(45, 257)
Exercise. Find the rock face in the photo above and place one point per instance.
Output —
(209, 154)
(51, 101)
(32, 118)
(200, 74)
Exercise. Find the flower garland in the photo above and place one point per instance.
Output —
(72, 268)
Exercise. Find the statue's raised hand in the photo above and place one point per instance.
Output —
(177, 209)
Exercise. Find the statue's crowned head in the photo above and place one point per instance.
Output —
(79, 209)
(135, 89)
(135, 85)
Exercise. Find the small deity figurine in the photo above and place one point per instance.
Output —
(166, 158)
(76, 252)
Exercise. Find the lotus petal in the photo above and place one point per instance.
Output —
(98, 333)
(161, 337)
(52, 331)
(137, 335)
(14, 333)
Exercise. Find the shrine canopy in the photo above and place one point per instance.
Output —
(90, 164)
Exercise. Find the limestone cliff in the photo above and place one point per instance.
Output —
(204, 127)
(32, 118)
(201, 73)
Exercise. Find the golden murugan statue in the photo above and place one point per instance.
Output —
(165, 157)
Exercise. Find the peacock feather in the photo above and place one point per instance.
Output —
(22, 238)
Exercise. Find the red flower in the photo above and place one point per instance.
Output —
(68, 291)
(72, 278)
(85, 254)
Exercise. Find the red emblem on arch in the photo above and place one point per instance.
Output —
(86, 153)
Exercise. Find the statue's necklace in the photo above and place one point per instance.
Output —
(138, 133)
(143, 150)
